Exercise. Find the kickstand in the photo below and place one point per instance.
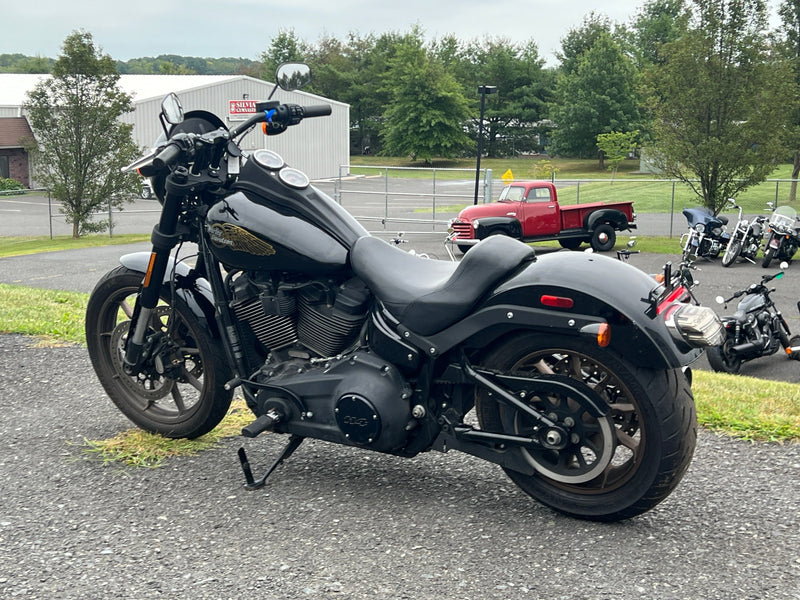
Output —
(252, 484)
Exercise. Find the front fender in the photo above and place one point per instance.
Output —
(194, 291)
(601, 290)
(487, 226)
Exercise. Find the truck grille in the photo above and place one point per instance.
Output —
(463, 231)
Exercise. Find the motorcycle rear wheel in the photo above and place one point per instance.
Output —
(184, 399)
(731, 253)
(652, 435)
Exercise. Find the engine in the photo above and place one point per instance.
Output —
(321, 318)
(320, 382)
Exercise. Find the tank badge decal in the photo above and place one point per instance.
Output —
(233, 237)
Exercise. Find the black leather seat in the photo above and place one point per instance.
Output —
(429, 295)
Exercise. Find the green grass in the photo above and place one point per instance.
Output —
(138, 448)
(17, 246)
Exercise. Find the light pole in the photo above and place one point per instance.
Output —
(482, 90)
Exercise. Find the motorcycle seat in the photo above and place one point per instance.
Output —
(428, 295)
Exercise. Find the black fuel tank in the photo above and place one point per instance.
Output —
(253, 237)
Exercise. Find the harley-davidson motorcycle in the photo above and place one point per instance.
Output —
(756, 329)
(575, 365)
(783, 238)
(706, 236)
(746, 239)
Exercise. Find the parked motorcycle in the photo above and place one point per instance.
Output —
(783, 238)
(706, 236)
(756, 329)
(572, 362)
(746, 239)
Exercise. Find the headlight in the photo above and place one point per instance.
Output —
(699, 228)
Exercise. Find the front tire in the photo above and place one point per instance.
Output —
(731, 253)
(180, 390)
(769, 254)
(651, 437)
(722, 359)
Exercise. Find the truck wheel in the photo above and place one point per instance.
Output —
(463, 248)
(603, 238)
(571, 243)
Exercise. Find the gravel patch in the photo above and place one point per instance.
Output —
(336, 522)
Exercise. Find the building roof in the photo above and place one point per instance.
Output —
(15, 86)
(12, 130)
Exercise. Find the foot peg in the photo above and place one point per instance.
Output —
(265, 422)
(252, 484)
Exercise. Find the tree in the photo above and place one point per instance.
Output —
(80, 143)
(615, 147)
(427, 110)
(722, 102)
(657, 22)
(599, 95)
(285, 47)
(789, 12)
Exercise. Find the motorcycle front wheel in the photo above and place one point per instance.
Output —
(179, 392)
(616, 466)
(769, 254)
(722, 359)
(731, 252)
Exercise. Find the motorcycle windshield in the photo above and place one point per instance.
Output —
(783, 218)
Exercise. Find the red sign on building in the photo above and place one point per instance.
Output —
(241, 107)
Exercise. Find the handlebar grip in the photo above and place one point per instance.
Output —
(317, 110)
(166, 156)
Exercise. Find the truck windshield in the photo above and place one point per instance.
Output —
(512, 193)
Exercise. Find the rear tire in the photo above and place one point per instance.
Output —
(603, 238)
(180, 391)
(652, 417)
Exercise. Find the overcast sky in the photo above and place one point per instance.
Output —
(244, 28)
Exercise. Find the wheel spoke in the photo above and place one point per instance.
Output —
(627, 441)
(177, 397)
(192, 380)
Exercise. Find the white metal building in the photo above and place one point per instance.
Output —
(318, 146)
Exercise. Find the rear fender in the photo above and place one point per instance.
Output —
(613, 217)
(601, 290)
(194, 291)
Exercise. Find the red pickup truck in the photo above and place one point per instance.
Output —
(529, 211)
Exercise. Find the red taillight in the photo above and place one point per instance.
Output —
(673, 296)
(557, 301)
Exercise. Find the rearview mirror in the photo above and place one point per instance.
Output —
(293, 76)
(171, 109)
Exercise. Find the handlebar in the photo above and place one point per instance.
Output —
(168, 155)
(317, 110)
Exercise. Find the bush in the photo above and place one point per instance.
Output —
(10, 184)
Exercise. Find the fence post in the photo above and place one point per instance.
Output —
(433, 225)
(110, 221)
(50, 213)
(386, 199)
(672, 210)
(487, 186)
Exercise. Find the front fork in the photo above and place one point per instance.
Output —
(164, 238)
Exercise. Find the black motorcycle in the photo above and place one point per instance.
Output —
(783, 238)
(745, 242)
(572, 362)
(756, 329)
(706, 236)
